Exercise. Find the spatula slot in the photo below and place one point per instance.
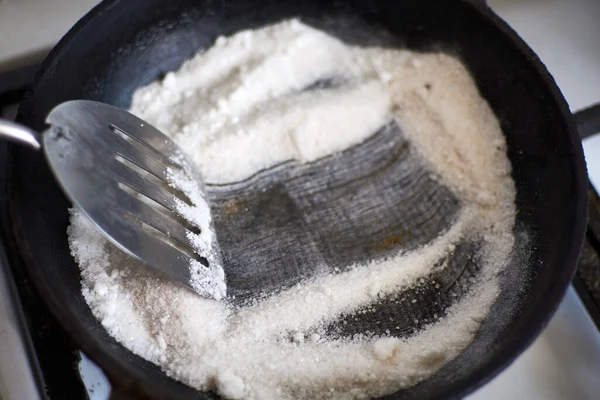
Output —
(169, 240)
(153, 178)
(130, 138)
(176, 218)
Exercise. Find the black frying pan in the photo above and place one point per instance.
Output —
(124, 44)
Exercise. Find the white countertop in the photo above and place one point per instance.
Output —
(30, 27)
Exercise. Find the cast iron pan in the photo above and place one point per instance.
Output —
(124, 44)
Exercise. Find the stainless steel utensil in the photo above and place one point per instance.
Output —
(116, 169)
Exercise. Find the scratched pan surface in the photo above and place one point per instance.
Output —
(122, 45)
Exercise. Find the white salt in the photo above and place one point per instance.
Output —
(238, 108)
(206, 281)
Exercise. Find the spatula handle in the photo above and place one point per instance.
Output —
(19, 133)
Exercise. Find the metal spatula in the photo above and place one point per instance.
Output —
(119, 171)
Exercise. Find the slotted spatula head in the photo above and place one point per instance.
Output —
(138, 188)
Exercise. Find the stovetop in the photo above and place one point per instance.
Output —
(56, 365)
(58, 358)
